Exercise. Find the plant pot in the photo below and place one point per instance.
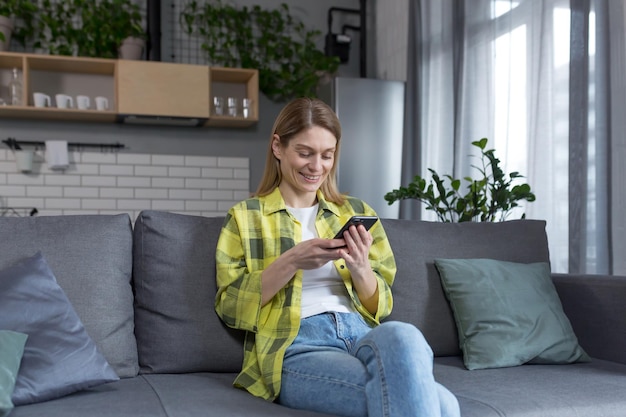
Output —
(131, 48)
(24, 160)
(6, 27)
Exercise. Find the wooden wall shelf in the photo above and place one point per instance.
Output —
(142, 88)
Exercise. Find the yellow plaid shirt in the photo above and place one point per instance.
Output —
(255, 232)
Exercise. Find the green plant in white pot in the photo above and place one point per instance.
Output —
(16, 21)
(127, 28)
(491, 197)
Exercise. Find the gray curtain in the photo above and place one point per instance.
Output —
(411, 149)
(550, 100)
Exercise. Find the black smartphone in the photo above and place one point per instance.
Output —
(367, 221)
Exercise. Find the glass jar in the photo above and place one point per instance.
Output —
(15, 88)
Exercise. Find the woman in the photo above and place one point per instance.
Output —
(311, 305)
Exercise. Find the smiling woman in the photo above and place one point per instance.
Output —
(305, 163)
(311, 304)
(295, 119)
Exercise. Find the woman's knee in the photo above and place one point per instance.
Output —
(399, 333)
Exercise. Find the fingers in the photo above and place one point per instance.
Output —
(358, 236)
(358, 242)
(314, 253)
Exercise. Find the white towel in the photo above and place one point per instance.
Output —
(56, 154)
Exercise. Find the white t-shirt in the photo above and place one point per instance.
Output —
(322, 288)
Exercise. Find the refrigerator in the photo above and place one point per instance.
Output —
(371, 113)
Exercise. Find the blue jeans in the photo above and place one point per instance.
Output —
(339, 365)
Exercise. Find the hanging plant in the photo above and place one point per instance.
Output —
(274, 42)
(490, 198)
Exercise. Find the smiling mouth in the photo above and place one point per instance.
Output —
(311, 178)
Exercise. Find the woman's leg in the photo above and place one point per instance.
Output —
(326, 382)
(318, 372)
(400, 365)
(448, 402)
(337, 365)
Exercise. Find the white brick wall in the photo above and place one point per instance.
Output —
(111, 183)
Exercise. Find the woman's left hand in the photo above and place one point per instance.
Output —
(356, 255)
(358, 242)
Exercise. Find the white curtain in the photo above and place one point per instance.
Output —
(527, 75)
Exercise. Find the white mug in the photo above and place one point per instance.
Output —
(83, 102)
(64, 101)
(41, 100)
(102, 103)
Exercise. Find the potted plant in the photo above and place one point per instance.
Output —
(489, 198)
(87, 27)
(272, 41)
(127, 29)
(16, 20)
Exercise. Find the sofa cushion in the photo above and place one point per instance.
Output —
(177, 328)
(91, 256)
(188, 395)
(11, 351)
(59, 356)
(591, 389)
(127, 397)
(417, 290)
(507, 313)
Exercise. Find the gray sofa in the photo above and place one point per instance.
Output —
(145, 290)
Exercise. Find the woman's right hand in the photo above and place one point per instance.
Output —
(315, 253)
(309, 254)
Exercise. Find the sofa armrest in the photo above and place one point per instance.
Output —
(596, 307)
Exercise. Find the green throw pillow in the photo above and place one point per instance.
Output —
(11, 351)
(507, 313)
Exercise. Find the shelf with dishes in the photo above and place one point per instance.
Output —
(108, 90)
(57, 88)
(234, 96)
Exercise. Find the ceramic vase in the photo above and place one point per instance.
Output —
(131, 48)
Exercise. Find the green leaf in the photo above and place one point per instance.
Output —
(481, 144)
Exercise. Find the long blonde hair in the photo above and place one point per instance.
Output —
(298, 115)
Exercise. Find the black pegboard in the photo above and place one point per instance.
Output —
(185, 49)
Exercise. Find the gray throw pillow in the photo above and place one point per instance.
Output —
(507, 313)
(176, 325)
(11, 351)
(92, 260)
(59, 356)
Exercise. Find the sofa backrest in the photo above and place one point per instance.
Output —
(417, 291)
(178, 330)
(91, 259)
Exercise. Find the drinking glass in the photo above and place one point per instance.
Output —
(233, 105)
(247, 107)
(218, 105)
